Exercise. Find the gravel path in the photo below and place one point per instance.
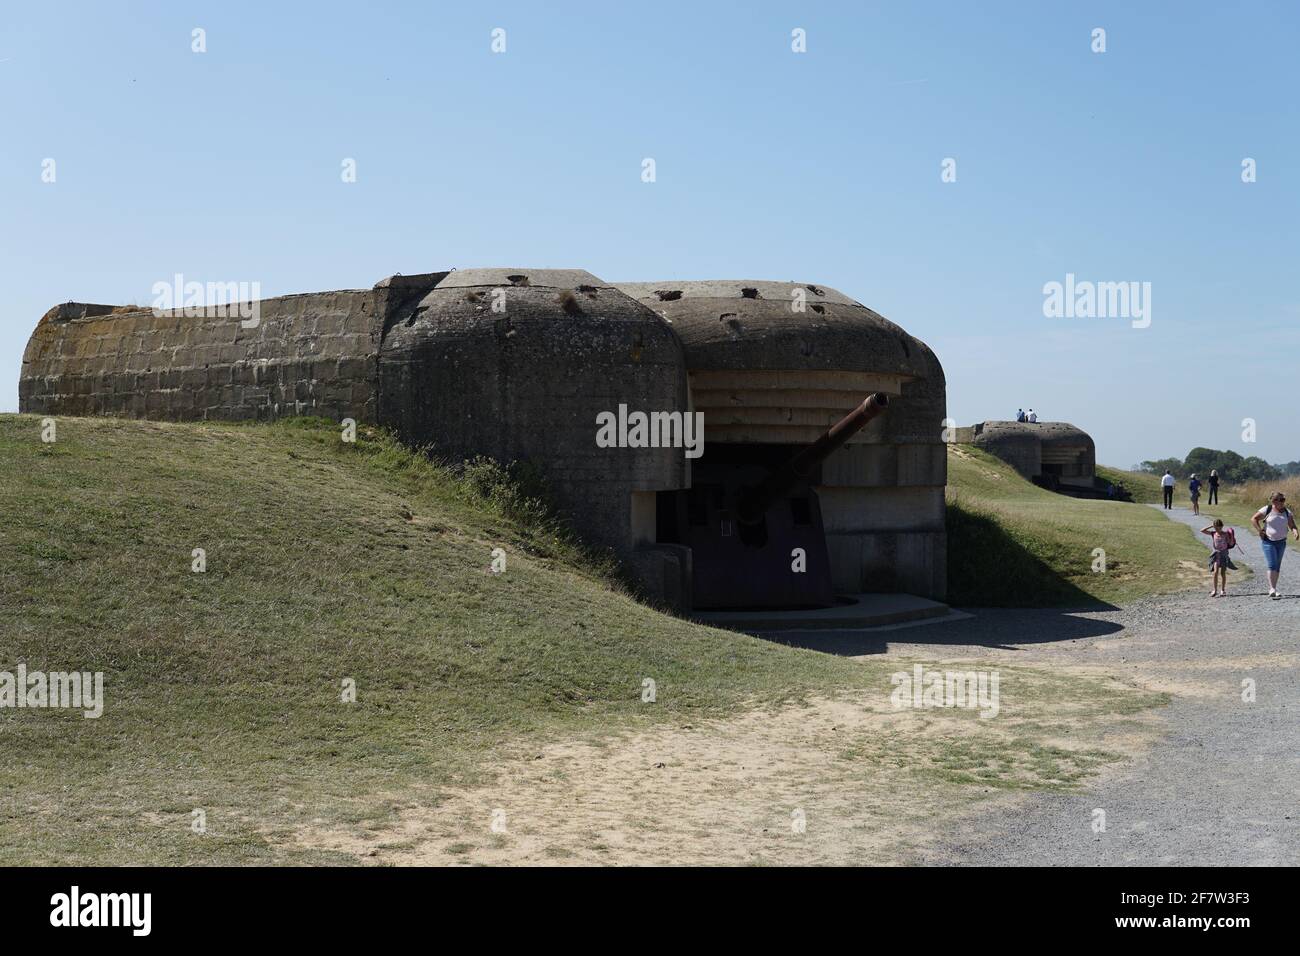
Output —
(1222, 787)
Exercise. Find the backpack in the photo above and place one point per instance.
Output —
(1231, 535)
(1267, 510)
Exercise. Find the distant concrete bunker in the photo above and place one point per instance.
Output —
(1056, 455)
(521, 364)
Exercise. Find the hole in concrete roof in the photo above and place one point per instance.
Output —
(569, 302)
(668, 295)
(730, 319)
(749, 293)
(819, 309)
(415, 314)
(814, 290)
(588, 289)
(518, 280)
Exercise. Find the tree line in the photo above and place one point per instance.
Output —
(1232, 468)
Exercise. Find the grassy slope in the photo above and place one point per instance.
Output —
(1237, 503)
(324, 561)
(328, 561)
(1144, 488)
(1014, 544)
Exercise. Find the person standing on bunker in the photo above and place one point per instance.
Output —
(1194, 489)
(1272, 522)
(1223, 540)
(1167, 484)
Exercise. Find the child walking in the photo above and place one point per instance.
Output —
(1224, 540)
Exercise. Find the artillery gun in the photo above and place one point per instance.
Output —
(754, 527)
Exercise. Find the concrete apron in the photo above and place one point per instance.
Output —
(867, 612)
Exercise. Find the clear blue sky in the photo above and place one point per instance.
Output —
(820, 167)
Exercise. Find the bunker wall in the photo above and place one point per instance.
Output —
(312, 354)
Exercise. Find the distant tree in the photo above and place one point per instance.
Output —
(1160, 465)
(1229, 465)
(1257, 469)
(1232, 468)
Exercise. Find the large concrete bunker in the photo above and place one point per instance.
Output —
(564, 370)
(772, 367)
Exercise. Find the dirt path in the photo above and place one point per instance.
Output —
(1210, 779)
(1223, 786)
(845, 781)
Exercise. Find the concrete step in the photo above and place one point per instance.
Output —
(857, 612)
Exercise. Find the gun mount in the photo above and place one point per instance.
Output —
(754, 523)
(755, 502)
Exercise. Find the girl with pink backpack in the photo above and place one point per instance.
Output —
(1223, 540)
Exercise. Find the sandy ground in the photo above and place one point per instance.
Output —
(1210, 779)
(845, 781)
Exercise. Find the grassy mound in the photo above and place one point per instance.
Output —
(325, 562)
(333, 565)
(1013, 544)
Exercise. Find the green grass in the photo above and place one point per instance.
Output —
(325, 561)
(1237, 503)
(1144, 488)
(328, 562)
(1011, 543)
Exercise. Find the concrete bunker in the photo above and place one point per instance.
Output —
(522, 364)
(771, 380)
(1055, 455)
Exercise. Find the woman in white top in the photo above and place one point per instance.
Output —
(1272, 522)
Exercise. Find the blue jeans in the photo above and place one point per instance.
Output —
(1273, 551)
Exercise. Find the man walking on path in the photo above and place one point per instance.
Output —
(1167, 483)
(1214, 487)
(1277, 520)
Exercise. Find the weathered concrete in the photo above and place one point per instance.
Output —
(527, 382)
(856, 613)
(516, 364)
(309, 355)
(1038, 449)
(778, 363)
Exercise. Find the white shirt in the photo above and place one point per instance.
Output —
(1033, 416)
(1167, 481)
(1275, 523)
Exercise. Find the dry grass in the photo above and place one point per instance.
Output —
(1259, 493)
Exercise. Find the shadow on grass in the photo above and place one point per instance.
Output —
(987, 567)
(1016, 599)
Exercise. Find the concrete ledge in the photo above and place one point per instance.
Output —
(867, 611)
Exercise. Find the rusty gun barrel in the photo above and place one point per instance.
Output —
(756, 500)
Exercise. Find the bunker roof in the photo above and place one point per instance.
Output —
(759, 324)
